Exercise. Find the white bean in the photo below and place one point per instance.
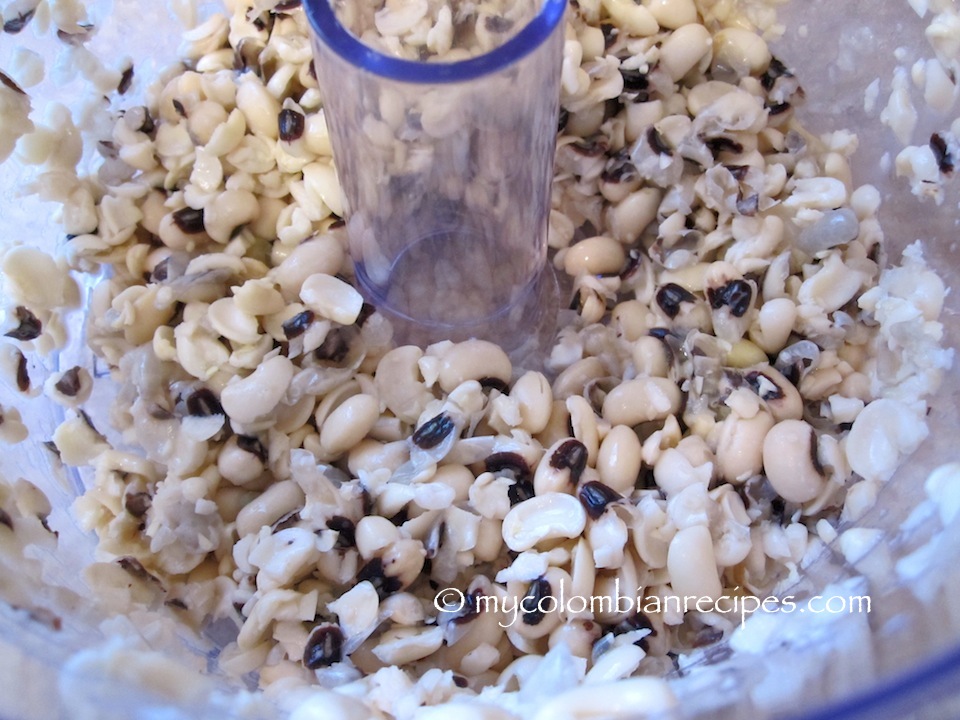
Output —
(258, 394)
(691, 564)
(791, 462)
(641, 400)
(349, 423)
(332, 298)
(546, 517)
(618, 461)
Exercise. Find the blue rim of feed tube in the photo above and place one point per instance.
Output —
(335, 36)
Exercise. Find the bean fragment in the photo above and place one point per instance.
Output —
(324, 647)
(346, 531)
(670, 297)
(736, 294)
(290, 124)
(126, 79)
(189, 220)
(531, 606)
(595, 496)
(203, 403)
(942, 154)
(572, 456)
(69, 382)
(137, 503)
(433, 432)
(5, 519)
(298, 324)
(23, 375)
(15, 25)
(28, 328)
(373, 572)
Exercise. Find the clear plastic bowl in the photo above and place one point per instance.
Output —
(902, 660)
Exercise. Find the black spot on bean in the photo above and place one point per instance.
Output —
(497, 24)
(508, 463)
(634, 623)
(160, 271)
(634, 80)
(815, 454)
(572, 456)
(136, 569)
(298, 324)
(69, 382)
(610, 33)
(137, 503)
(76, 38)
(158, 412)
(749, 205)
(18, 23)
(23, 375)
(562, 119)
(5, 519)
(595, 496)
(181, 111)
(633, 264)
(520, 490)
(290, 124)
(400, 517)
(460, 681)
(593, 146)
(286, 521)
(52, 447)
(433, 431)
(346, 530)
(778, 108)
(189, 221)
(28, 327)
(775, 70)
(176, 604)
(324, 647)
(671, 296)
(470, 610)
(721, 144)
(619, 169)
(366, 310)
(755, 379)
(373, 573)
(942, 154)
(8, 81)
(736, 294)
(253, 446)
(492, 383)
(126, 79)
(203, 403)
(657, 143)
(532, 605)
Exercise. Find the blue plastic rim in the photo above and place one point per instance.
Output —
(329, 31)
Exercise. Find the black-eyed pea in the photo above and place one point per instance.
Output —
(228, 211)
(618, 460)
(632, 18)
(248, 399)
(598, 255)
(373, 534)
(241, 460)
(684, 49)
(204, 118)
(629, 218)
(233, 323)
(650, 358)
(740, 446)
(791, 462)
(779, 394)
(473, 360)
(632, 319)
(489, 540)
(369, 455)
(583, 421)
(561, 467)
(673, 14)
(544, 518)
(534, 398)
(641, 400)
(403, 560)
(457, 477)
(349, 423)
(692, 565)
(332, 298)
(774, 323)
(260, 109)
(400, 385)
(575, 378)
(741, 51)
(276, 501)
(538, 603)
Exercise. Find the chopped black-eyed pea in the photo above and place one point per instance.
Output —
(69, 382)
(736, 294)
(136, 569)
(775, 70)
(460, 681)
(5, 519)
(532, 606)
(508, 462)
(634, 80)
(345, 529)
(571, 455)
(595, 496)
(670, 297)
(657, 143)
(433, 432)
(203, 403)
(373, 573)
(470, 609)
(18, 23)
(941, 153)
(253, 446)
(189, 221)
(324, 647)
(137, 503)
(298, 324)
(290, 124)
(181, 111)
(749, 205)
(28, 327)
(23, 375)
(8, 81)
(520, 491)
(126, 80)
